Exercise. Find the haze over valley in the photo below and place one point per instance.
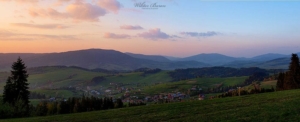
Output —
(115, 60)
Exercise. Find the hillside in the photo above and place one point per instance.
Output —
(149, 57)
(279, 63)
(267, 57)
(214, 59)
(275, 106)
(60, 80)
(91, 59)
(42, 79)
(268, 61)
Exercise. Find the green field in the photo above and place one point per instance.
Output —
(132, 79)
(268, 84)
(276, 106)
(203, 83)
(53, 77)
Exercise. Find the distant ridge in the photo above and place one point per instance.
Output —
(116, 60)
(149, 57)
(91, 59)
(267, 57)
(214, 59)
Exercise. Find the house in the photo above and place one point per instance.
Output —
(52, 99)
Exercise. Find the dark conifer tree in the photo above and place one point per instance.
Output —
(119, 103)
(293, 73)
(280, 82)
(291, 80)
(16, 88)
(8, 92)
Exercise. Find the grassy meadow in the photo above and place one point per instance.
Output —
(276, 106)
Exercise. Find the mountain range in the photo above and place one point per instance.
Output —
(92, 59)
(115, 60)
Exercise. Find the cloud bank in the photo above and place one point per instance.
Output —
(21, 1)
(12, 36)
(116, 36)
(76, 11)
(154, 34)
(201, 34)
(131, 27)
(110, 5)
(41, 26)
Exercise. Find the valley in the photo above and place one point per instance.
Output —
(62, 82)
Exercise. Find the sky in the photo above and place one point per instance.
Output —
(178, 28)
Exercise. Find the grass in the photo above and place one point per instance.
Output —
(268, 84)
(61, 77)
(136, 78)
(276, 106)
(263, 84)
(187, 84)
(34, 102)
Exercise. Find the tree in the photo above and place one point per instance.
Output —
(294, 72)
(16, 91)
(8, 92)
(290, 79)
(280, 82)
(119, 103)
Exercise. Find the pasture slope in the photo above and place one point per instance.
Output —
(276, 106)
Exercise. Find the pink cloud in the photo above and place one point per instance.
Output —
(154, 34)
(26, 1)
(61, 2)
(21, 1)
(85, 11)
(77, 11)
(47, 13)
(131, 27)
(41, 26)
(110, 5)
(11, 36)
(200, 34)
(115, 36)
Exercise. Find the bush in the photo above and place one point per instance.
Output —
(6, 111)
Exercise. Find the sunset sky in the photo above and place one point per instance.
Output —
(178, 28)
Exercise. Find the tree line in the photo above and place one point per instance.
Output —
(75, 105)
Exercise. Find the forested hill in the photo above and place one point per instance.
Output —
(180, 74)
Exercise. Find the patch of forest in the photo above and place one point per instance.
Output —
(190, 73)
